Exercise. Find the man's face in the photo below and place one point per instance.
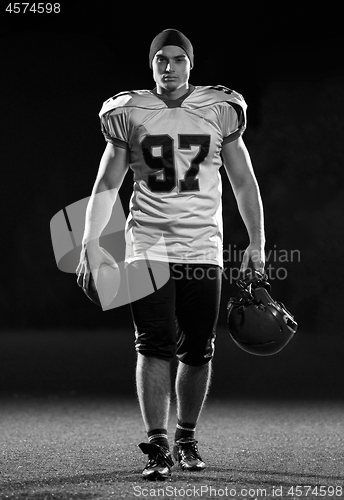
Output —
(171, 68)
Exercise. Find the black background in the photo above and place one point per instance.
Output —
(57, 69)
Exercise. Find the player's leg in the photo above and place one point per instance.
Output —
(198, 302)
(154, 321)
(192, 386)
(153, 383)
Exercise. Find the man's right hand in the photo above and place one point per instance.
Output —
(91, 258)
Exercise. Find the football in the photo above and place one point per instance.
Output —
(103, 285)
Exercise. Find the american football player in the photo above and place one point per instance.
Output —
(174, 138)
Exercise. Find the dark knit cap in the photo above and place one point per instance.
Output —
(171, 37)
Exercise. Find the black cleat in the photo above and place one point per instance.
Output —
(185, 452)
(158, 466)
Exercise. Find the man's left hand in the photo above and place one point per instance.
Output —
(255, 254)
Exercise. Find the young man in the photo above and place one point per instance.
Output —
(175, 139)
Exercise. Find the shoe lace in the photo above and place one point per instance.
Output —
(152, 460)
(190, 451)
(160, 458)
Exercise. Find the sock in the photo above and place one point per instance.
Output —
(184, 430)
(158, 436)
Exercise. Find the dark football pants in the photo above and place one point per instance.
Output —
(180, 317)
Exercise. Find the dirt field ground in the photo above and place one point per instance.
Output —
(86, 448)
(70, 423)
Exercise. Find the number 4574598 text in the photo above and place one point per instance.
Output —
(35, 8)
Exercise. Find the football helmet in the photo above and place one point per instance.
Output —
(257, 323)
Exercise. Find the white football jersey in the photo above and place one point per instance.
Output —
(175, 154)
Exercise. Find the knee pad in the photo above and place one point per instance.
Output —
(197, 352)
(156, 342)
(154, 351)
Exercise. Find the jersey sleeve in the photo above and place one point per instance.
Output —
(114, 120)
(233, 118)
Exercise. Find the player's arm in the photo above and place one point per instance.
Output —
(238, 165)
(112, 169)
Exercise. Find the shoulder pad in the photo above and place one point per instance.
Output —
(221, 88)
(124, 99)
(222, 93)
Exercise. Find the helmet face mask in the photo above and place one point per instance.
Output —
(257, 323)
